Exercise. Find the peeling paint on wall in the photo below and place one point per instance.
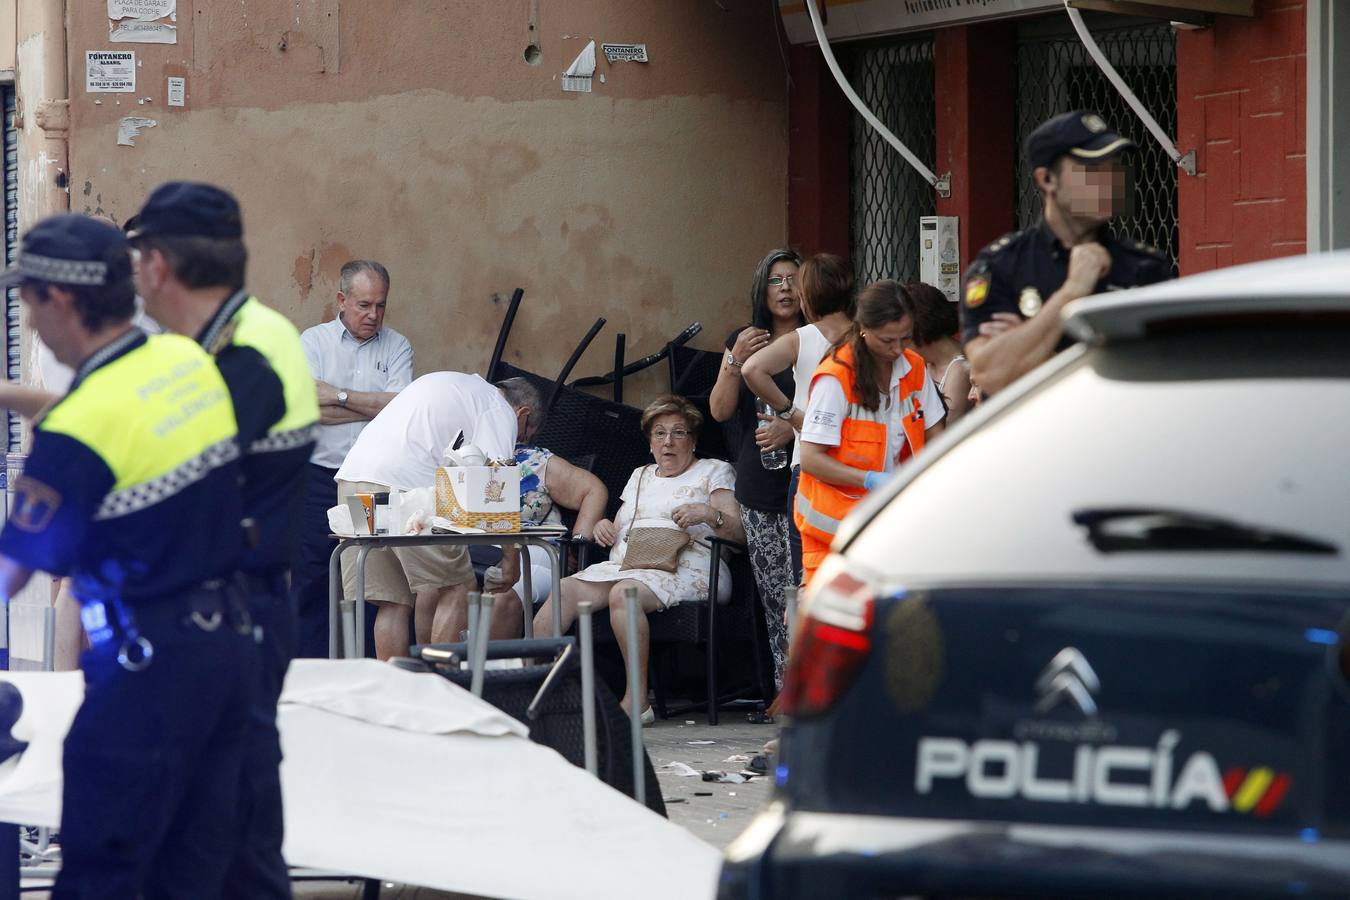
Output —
(129, 128)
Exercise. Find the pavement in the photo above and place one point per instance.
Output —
(715, 812)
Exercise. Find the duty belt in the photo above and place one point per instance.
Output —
(204, 607)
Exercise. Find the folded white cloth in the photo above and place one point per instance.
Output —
(385, 695)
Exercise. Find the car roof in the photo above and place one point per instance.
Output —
(1297, 284)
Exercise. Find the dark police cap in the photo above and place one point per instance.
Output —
(1081, 134)
(188, 209)
(71, 250)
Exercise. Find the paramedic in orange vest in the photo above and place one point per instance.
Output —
(870, 406)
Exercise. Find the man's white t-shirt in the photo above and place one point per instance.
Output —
(402, 446)
(827, 407)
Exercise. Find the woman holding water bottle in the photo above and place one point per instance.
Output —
(763, 441)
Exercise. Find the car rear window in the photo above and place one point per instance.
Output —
(1248, 426)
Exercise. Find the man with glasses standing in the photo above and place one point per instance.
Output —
(1015, 290)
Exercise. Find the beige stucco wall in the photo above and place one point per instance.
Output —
(416, 134)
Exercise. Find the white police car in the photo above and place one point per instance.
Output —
(1095, 641)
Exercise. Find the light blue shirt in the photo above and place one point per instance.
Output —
(381, 364)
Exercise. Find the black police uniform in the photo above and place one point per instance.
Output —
(131, 489)
(1019, 271)
(277, 438)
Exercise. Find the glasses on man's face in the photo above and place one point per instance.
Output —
(660, 434)
(780, 280)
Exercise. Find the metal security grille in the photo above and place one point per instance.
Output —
(1055, 74)
(10, 138)
(886, 195)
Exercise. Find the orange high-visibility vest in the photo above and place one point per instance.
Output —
(820, 506)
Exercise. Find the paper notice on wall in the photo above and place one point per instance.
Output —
(129, 127)
(137, 32)
(142, 9)
(625, 52)
(579, 73)
(110, 71)
(177, 91)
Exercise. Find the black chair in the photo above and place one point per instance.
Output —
(712, 625)
(557, 723)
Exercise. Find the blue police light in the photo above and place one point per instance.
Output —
(1321, 636)
(1310, 835)
(780, 776)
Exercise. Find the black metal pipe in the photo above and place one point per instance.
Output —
(682, 338)
(503, 333)
(618, 366)
(571, 363)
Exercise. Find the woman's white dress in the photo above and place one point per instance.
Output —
(659, 498)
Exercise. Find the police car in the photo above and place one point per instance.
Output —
(1096, 640)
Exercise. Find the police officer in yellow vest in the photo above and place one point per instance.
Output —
(131, 489)
(191, 271)
(870, 407)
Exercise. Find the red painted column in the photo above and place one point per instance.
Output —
(975, 127)
(1241, 105)
(818, 136)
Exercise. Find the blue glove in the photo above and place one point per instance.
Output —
(874, 480)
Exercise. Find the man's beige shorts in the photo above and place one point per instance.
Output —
(395, 575)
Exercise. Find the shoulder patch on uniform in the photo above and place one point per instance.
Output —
(977, 288)
(35, 504)
(1002, 242)
(1148, 249)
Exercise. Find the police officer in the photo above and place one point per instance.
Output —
(191, 274)
(1015, 290)
(131, 489)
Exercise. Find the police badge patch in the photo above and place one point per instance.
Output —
(1029, 301)
(34, 505)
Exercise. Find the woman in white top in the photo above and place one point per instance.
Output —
(679, 492)
(825, 286)
(935, 329)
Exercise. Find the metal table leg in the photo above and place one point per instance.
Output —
(527, 597)
(335, 597)
(630, 599)
(555, 566)
(359, 607)
(587, 685)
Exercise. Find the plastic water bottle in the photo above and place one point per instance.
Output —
(770, 459)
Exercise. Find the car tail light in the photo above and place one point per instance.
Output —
(832, 643)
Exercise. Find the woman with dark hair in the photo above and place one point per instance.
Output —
(763, 492)
(825, 288)
(935, 328)
(869, 407)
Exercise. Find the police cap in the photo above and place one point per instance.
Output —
(72, 250)
(189, 209)
(1080, 134)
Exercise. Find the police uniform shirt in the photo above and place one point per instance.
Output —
(278, 421)
(132, 483)
(1019, 271)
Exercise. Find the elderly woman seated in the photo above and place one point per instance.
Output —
(679, 493)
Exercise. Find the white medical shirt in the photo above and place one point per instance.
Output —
(827, 407)
(403, 445)
(381, 364)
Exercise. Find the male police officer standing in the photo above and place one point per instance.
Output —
(1015, 290)
(131, 489)
(191, 274)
